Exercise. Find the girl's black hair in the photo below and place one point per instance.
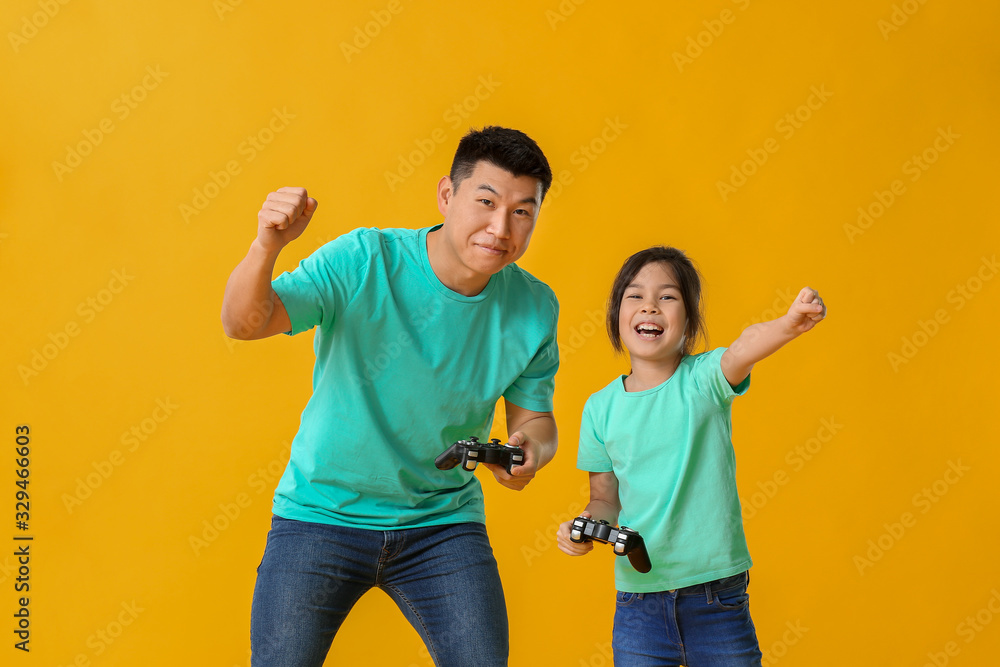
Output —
(689, 282)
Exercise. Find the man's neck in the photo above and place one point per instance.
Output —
(450, 271)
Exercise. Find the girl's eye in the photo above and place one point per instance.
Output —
(667, 296)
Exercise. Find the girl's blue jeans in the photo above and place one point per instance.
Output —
(697, 626)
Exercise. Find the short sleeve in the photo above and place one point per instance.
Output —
(325, 281)
(710, 381)
(592, 455)
(533, 389)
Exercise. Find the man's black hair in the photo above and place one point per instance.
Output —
(510, 150)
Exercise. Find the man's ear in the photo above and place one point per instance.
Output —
(445, 193)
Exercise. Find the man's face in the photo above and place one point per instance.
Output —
(488, 219)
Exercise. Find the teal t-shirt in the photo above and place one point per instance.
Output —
(671, 449)
(404, 368)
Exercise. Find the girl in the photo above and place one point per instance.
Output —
(657, 443)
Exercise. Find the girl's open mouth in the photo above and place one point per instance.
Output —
(649, 330)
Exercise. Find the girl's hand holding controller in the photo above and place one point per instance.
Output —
(567, 545)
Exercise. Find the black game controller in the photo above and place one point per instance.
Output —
(471, 453)
(626, 541)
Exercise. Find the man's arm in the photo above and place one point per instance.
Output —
(535, 433)
(759, 341)
(250, 308)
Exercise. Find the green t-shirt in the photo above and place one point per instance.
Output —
(671, 449)
(404, 368)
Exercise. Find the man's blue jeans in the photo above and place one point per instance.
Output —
(696, 626)
(443, 578)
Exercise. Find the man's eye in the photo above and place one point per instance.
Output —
(487, 202)
(522, 211)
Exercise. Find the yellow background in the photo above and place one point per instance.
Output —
(641, 138)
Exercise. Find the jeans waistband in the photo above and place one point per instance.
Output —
(709, 588)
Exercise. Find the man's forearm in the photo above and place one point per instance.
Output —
(543, 433)
(249, 300)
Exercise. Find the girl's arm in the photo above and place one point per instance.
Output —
(603, 506)
(764, 339)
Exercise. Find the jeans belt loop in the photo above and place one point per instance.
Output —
(708, 592)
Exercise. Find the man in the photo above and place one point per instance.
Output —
(419, 333)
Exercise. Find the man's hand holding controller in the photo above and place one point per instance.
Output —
(519, 476)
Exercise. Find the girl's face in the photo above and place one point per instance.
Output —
(652, 318)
